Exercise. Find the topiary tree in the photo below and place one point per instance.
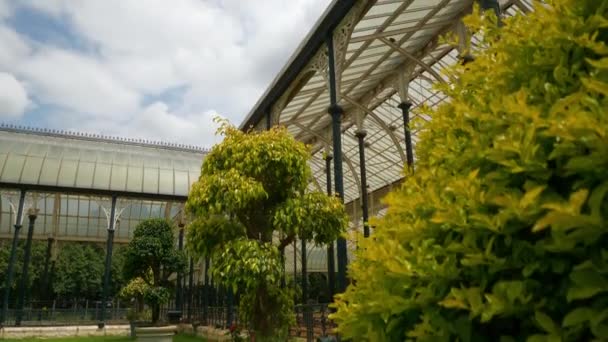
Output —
(501, 234)
(250, 203)
(153, 250)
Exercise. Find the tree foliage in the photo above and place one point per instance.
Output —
(79, 271)
(153, 249)
(36, 268)
(249, 203)
(500, 235)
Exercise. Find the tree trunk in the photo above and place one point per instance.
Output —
(155, 313)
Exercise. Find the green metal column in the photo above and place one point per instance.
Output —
(190, 288)
(360, 134)
(336, 114)
(409, 149)
(206, 293)
(11, 263)
(331, 263)
(108, 267)
(179, 291)
(26, 267)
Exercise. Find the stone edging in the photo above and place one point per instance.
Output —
(64, 331)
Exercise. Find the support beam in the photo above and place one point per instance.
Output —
(11, 263)
(179, 291)
(336, 114)
(360, 134)
(304, 274)
(190, 288)
(206, 293)
(108, 267)
(32, 215)
(409, 149)
(331, 264)
(413, 58)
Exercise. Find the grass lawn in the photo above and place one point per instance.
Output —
(177, 338)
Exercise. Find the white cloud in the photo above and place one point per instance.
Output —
(82, 84)
(222, 54)
(13, 97)
(14, 48)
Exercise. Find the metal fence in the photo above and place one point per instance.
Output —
(312, 320)
(57, 313)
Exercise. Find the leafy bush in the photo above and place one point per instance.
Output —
(250, 203)
(501, 234)
(152, 257)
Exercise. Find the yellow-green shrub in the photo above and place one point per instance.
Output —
(501, 233)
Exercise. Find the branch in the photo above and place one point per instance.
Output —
(286, 241)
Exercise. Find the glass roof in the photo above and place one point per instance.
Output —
(383, 41)
(368, 79)
(85, 163)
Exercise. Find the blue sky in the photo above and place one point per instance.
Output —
(151, 69)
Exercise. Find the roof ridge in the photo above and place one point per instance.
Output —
(100, 137)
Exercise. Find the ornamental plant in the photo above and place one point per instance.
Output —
(135, 290)
(249, 204)
(152, 250)
(501, 234)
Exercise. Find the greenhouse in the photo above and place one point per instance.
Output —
(354, 92)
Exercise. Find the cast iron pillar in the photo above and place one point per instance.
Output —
(190, 288)
(229, 304)
(11, 263)
(304, 275)
(331, 263)
(493, 5)
(206, 293)
(409, 150)
(108, 267)
(179, 288)
(360, 134)
(32, 215)
(336, 114)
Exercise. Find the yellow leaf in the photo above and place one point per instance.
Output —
(594, 85)
(531, 196)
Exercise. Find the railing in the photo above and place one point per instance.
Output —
(66, 313)
(312, 320)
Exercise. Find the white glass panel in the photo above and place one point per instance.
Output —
(119, 177)
(166, 182)
(135, 178)
(102, 176)
(84, 177)
(67, 173)
(181, 183)
(13, 168)
(31, 171)
(50, 170)
(150, 180)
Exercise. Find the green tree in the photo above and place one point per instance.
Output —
(153, 249)
(249, 203)
(501, 234)
(78, 271)
(36, 268)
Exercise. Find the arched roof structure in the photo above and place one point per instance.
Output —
(386, 52)
(73, 175)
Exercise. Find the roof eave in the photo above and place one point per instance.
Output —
(336, 11)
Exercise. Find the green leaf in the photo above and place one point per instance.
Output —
(577, 316)
(546, 323)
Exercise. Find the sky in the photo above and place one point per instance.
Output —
(151, 69)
